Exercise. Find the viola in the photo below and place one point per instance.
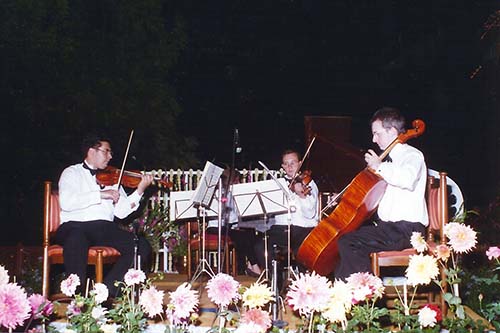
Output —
(131, 179)
(303, 178)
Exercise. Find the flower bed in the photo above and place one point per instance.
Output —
(323, 305)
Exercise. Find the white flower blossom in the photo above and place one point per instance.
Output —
(427, 317)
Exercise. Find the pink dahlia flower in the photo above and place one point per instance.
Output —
(222, 289)
(151, 300)
(493, 253)
(183, 302)
(4, 276)
(309, 293)
(365, 286)
(68, 286)
(442, 252)
(249, 328)
(40, 306)
(14, 306)
(134, 276)
(257, 317)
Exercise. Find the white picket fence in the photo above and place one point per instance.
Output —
(187, 180)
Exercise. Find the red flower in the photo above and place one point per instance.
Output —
(437, 309)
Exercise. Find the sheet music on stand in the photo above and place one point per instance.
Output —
(206, 186)
(184, 204)
(259, 198)
(183, 208)
(200, 204)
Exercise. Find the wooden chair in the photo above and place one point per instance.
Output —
(437, 205)
(53, 254)
(211, 246)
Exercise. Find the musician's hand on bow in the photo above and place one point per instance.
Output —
(146, 180)
(110, 195)
(372, 159)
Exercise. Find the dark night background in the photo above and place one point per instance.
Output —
(185, 74)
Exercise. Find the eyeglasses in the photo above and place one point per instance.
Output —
(105, 151)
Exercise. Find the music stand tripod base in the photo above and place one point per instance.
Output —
(203, 265)
(279, 323)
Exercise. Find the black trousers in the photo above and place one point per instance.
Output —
(355, 247)
(77, 237)
(278, 236)
(244, 240)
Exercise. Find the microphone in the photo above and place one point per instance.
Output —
(237, 147)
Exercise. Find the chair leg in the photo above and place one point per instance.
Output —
(235, 262)
(226, 258)
(99, 267)
(189, 264)
(375, 266)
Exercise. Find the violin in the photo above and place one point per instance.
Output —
(303, 178)
(130, 179)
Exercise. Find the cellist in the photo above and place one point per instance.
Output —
(402, 209)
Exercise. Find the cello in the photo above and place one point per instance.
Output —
(319, 250)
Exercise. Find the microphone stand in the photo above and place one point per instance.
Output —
(137, 258)
(224, 195)
(278, 301)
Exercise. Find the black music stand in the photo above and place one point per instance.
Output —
(279, 322)
(258, 200)
(202, 198)
(198, 203)
(289, 209)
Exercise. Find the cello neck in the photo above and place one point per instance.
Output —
(417, 130)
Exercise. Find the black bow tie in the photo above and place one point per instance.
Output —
(93, 172)
(388, 159)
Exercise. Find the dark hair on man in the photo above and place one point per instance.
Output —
(291, 151)
(390, 117)
(92, 140)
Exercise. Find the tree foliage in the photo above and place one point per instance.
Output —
(69, 67)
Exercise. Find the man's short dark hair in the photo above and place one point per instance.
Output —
(290, 151)
(92, 140)
(390, 117)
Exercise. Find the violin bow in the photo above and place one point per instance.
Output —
(307, 152)
(125, 158)
(301, 162)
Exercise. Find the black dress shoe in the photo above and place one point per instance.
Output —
(109, 303)
(251, 273)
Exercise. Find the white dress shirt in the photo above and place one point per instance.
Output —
(406, 176)
(80, 198)
(306, 209)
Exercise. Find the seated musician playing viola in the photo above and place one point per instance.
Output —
(88, 211)
(402, 209)
(303, 218)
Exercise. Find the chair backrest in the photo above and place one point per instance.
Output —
(51, 212)
(437, 207)
(455, 196)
